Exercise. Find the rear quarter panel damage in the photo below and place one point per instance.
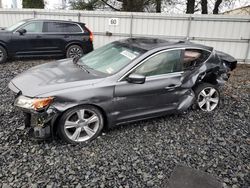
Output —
(214, 70)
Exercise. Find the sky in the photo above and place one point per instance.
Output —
(49, 4)
(11, 3)
(54, 4)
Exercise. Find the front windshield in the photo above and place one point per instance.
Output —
(15, 26)
(110, 58)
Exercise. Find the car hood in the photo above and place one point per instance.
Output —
(3, 31)
(53, 76)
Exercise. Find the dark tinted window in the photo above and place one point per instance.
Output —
(57, 27)
(85, 29)
(163, 63)
(72, 28)
(194, 57)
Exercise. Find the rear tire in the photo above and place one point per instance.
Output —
(3, 55)
(207, 97)
(74, 51)
(80, 124)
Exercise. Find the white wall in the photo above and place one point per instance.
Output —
(230, 34)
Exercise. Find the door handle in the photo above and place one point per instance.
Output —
(172, 86)
(38, 36)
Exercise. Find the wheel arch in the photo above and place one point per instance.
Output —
(204, 81)
(73, 43)
(199, 85)
(104, 114)
(4, 46)
(210, 78)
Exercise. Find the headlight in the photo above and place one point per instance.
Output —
(33, 103)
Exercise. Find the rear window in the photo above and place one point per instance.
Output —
(72, 28)
(85, 29)
(194, 57)
(57, 27)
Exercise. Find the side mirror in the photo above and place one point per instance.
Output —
(136, 78)
(21, 31)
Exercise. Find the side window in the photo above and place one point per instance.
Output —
(57, 27)
(194, 57)
(34, 27)
(72, 28)
(163, 63)
(54, 27)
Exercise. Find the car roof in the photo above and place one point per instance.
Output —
(52, 20)
(146, 43)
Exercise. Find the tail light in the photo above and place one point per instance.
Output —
(91, 36)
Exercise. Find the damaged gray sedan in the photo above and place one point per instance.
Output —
(124, 81)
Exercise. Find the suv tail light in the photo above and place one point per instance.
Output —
(91, 36)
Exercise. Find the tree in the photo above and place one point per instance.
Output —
(216, 6)
(134, 5)
(142, 5)
(33, 4)
(204, 7)
(158, 5)
(85, 5)
(190, 6)
(126, 5)
(109, 5)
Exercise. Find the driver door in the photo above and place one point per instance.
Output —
(29, 43)
(160, 92)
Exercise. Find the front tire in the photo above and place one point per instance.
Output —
(80, 124)
(207, 97)
(74, 51)
(3, 55)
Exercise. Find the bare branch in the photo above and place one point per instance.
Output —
(105, 2)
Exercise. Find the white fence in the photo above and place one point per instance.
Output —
(230, 34)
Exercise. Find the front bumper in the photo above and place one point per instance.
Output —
(41, 124)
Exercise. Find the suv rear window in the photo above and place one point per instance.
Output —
(57, 27)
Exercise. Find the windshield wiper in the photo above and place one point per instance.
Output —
(83, 67)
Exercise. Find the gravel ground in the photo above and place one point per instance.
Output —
(141, 154)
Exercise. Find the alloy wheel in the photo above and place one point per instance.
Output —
(81, 125)
(208, 99)
(1, 55)
(75, 52)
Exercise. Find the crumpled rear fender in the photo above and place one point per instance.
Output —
(227, 60)
(215, 71)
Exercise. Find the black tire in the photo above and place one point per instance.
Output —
(214, 99)
(3, 55)
(74, 51)
(64, 134)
